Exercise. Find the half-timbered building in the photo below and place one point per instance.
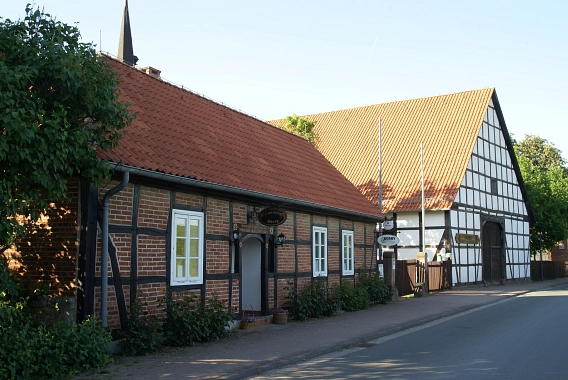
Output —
(476, 207)
(205, 200)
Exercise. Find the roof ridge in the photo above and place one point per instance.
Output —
(182, 88)
(399, 101)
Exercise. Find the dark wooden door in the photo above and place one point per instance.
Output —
(492, 253)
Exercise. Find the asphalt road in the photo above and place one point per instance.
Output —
(523, 337)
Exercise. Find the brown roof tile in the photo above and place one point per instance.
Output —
(448, 126)
(181, 133)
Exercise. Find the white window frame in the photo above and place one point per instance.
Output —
(347, 253)
(319, 251)
(187, 279)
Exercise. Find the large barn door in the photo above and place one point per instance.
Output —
(493, 272)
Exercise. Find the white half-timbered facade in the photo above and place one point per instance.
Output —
(476, 209)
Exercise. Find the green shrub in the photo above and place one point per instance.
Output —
(35, 351)
(314, 301)
(142, 335)
(191, 321)
(378, 289)
(351, 298)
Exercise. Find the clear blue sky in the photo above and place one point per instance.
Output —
(274, 58)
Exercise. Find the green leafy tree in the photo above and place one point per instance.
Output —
(544, 175)
(540, 152)
(300, 127)
(58, 106)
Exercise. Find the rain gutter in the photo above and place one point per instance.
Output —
(269, 198)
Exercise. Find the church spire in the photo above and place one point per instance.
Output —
(125, 50)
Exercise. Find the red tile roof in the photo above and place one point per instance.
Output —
(448, 125)
(181, 133)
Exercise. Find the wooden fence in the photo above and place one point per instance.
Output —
(550, 270)
(410, 273)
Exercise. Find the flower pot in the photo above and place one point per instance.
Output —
(246, 325)
(280, 318)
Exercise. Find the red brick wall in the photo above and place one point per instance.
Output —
(560, 254)
(51, 254)
(47, 255)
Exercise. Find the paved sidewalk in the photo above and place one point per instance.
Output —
(249, 353)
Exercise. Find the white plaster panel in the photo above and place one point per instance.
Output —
(472, 274)
(462, 194)
(496, 121)
(476, 196)
(517, 273)
(408, 237)
(453, 218)
(461, 217)
(407, 253)
(476, 221)
(509, 239)
(435, 218)
(433, 237)
(469, 219)
(469, 198)
(476, 181)
(463, 256)
(407, 219)
(463, 275)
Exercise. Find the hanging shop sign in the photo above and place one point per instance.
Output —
(272, 216)
(388, 240)
(467, 239)
(388, 224)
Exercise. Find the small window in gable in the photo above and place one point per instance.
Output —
(347, 253)
(319, 251)
(494, 190)
(187, 248)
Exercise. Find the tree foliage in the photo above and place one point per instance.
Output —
(544, 175)
(540, 152)
(58, 106)
(300, 127)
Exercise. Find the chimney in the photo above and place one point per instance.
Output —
(151, 71)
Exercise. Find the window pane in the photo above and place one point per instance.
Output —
(180, 267)
(193, 267)
(317, 237)
(193, 248)
(317, 252)
(180, 226)
(194, 228)
(180, 247)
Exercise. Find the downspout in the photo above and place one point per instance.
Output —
(104, 250)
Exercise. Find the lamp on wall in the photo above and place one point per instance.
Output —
(280, 239)
(235, 235)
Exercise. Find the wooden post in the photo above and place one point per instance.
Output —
(389, 265)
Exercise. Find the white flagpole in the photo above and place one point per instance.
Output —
(423, 213)
(380, 169)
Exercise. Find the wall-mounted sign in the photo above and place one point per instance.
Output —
(467, 239)
(252, 229)
(388, 240)
(388, 224)
(272, 216)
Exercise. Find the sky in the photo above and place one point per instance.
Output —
(271, 59)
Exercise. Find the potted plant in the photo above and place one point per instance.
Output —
(248, 323)
(279, 316)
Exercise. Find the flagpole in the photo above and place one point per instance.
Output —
(423, 212)
(380, 169)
